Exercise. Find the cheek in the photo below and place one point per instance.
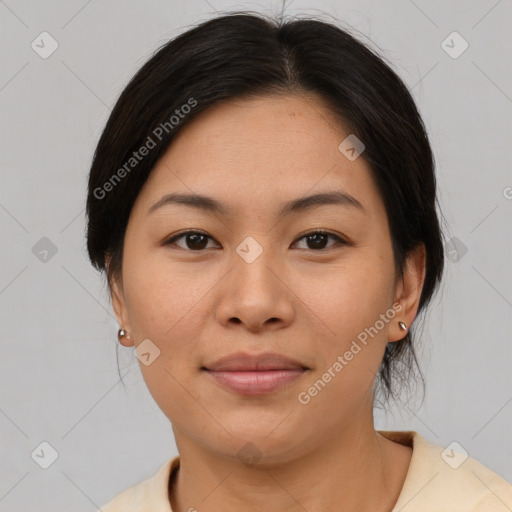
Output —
(164, 307)
(351, 297)
(170, 307)
(350, 303)
(352, 343)
(161, 298)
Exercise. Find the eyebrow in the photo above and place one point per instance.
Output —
(211, 205)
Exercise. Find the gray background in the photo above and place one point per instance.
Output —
(59, 378)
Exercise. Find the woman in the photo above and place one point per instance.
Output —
(263, 202)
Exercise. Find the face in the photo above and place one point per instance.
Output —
(254, 279)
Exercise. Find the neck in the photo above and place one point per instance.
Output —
(356, 470)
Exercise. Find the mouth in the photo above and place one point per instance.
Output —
(253, 375)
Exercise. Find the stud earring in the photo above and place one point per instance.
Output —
(122, 333)
(402, 326)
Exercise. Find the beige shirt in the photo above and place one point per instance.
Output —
(438, 480)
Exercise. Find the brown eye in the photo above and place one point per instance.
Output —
(317, 240)
(197, 240)
(194, 240)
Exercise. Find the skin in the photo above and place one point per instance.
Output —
(297, 300)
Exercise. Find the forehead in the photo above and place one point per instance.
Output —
(262, 149)
(267, 129)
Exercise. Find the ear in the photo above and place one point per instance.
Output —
(408, 292)
(119, 304)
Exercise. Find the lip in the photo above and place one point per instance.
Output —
(243, 362)
(253, 375)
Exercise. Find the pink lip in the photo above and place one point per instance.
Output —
(241, 362)
(255, 374)
(256, 382)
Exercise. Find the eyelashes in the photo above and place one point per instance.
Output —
(198, 238)
(194, 233)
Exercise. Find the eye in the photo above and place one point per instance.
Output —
(317, 239)
(197, 240)
(194, 240)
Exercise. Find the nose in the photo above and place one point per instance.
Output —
(255, 295)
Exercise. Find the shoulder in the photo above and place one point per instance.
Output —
(448, 480)
(150, 495)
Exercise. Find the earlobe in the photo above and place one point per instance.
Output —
(123, 336)
(408, 293)
(119, 307)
